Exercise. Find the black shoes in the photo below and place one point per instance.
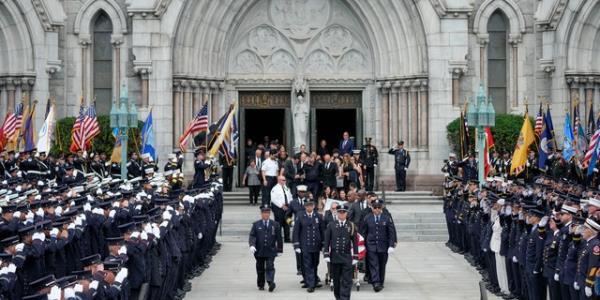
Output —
(261, 288)
(310, 290)
(377, 288)
(271, 286)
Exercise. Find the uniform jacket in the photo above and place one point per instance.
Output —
(340, 242)
(308, 232)
(267, 240)
(379, 236)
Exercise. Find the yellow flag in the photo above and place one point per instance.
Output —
(526, 137)
(223, 131)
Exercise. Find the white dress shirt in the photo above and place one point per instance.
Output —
(279, 194)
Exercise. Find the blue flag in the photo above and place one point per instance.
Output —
(568, 150)
(546, 142)
(148, 137)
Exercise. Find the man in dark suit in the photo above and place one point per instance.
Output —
(307, 238)
(346, 144)
(265, 243)
(358, 209)
(290, 171)
(380, 238)
(401, 163)
(368, 155)
(329, 170)
(341, 250)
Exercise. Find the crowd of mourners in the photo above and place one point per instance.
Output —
(71, 228)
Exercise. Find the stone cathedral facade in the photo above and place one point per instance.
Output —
(305, 70)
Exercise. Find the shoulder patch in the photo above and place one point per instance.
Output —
(596, 250)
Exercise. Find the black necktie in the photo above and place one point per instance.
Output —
(327, 166)
(377, 219)
(266, 224)
(284, 195)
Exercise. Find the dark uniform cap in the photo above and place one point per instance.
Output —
(66, 281)
(9, 208)
(68, 166)
(105, 204)
(154, 211)
(377, 202)
(26, 230)
(140, 218)
(265, 207)
(308, 202)
(536, 212)
(43, 225)
(4, 255)
(9, 241)
(113, 266)
(36, 297)
(342, 208)
(114, 240)
(161, 201)
(84, 274)
(127, 227)
(71, 213)
(91, 260)
(43, 282)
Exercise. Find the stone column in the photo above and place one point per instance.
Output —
(10, 91)
(423, 114)
(457, 70)
(385, 109)
(116, 41)
(195, 89)
(414, 114)
(26, 91)
(589, 97)
(177, 107)
(85, 77)
(214, 99)
(394, 105)
(4, 108)
(573, 83)
(514, 41)
(404, 99)
(483, 40)
(186, 111)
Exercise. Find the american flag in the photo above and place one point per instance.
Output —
(539, 122)
(90, 127)
(591, 148)
(197, 125)
(12, 123)
(76, 133)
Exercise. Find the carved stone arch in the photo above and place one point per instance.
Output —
(510, 9)
(584, 39)
(17, 41)
(88, 12)
(319, 62)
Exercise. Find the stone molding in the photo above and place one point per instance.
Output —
(583, 79)
(143, 68)
(181, 84)
(415, 83)
(512, 11)
(547, 65)
(156, 10)
(88, 11)
(50, 13)
(551, 22)
(458, 68)
(454, 12)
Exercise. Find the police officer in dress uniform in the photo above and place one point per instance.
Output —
(295, 209)
(265, 244)
(134, 167)
(380, 237)
(368, 155)
(588, 261)
(149, 167)
(307, 239)
(401, 163)
(341, 250)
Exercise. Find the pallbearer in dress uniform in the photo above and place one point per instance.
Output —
(368, 155)
(380, 238)
(341, 250)
(401, 162)
(307, 238)
(265, 244)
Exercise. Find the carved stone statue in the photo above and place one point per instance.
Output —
(300, 111)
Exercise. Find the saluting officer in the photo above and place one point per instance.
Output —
(265, 244)
(341, 250)
(587, 264)
(368, 155)
(401, 163)
(307, 238)
(380, 236)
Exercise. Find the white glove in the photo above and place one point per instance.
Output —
(17, 215)
(135, 234)
(112, 213)
(164, 224)
(29, 217)
(199, 235)
(252, 249)
(4, 271)
(78, 221)
(40, 236)
(94, 285)
(515, 260)
(54, 232)
(58, 211)
(78, 288)
(148, 228)
(588, 291)
(405, 168)
(87, 207)
(298, 250)
(82, 217)
(166, 215)
(556, 277)
(144, 235)
(12, 268)
(390, 250)
(55, 293)
(71, 226)
(138, 207)
(121, 275)
(326, 259)
(535, 272)
(354, 262)
(156, 232)
(544, 221)
(69, 293)
(98, 211)
(122, 250)
(40, 212)
(576, 286)
(116, 204)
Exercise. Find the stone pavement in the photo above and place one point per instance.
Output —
(417, 270)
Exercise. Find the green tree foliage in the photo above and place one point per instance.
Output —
(103, 143)
(505, 133)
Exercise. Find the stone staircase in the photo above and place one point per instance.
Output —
(418, 216)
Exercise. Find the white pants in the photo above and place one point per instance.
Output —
(501, 273)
